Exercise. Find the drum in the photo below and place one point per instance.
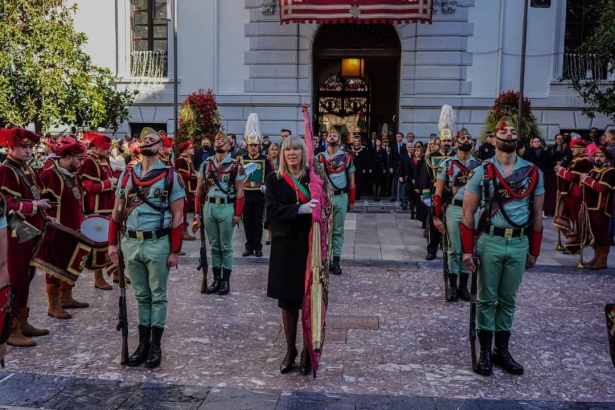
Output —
(61, 252)
(96, 229)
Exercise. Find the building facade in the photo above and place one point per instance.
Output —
(466, 57)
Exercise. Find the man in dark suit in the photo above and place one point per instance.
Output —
(406, 176)
(397, 148)
(371, 143)
(487, 149)
(201, 154)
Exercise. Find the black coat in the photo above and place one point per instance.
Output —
(290, 244)
(396, 154)
(540, 159)
(378, 164)
(406, 168)
(556, 156)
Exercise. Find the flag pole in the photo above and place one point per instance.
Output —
(175, 73)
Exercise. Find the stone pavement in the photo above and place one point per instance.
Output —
(391, 342)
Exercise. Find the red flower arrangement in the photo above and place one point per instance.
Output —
(507, 104)
(198, 118)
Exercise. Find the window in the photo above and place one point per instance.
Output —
(149, 38)
(581, 20)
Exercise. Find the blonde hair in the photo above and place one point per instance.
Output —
(292, 142)
(272, 146)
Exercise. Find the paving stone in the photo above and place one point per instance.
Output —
(300, 400)
(159, 396)
(237, 399)
(31, 390)
(394, 403)
(91, 393)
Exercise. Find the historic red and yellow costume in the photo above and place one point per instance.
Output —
(98, 187)
(21, 189)
(164, 158)
(599, 188)
(185, 168)
(96, 174)
(570, 196)
(65, 188)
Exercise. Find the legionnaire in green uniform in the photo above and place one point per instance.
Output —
(149, 211)
(431, 168)
(510, 235)
(448, 202)
(220, 190)
(254, 187)
(340, 170)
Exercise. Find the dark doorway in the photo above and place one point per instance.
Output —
(136, 128)
(371, 96)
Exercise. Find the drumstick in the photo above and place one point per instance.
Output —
(52, 203)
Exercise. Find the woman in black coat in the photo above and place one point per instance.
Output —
(290, 208)
(378, 165)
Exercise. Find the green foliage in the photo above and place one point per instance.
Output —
(598, 95)
(198, 117)
(45, 76)
(507, 104)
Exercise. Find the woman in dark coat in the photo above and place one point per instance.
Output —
(379, 169)
(416, 167)
(289, 207)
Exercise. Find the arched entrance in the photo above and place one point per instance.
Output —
(363, 100)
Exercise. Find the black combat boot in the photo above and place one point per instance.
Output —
(462, 290)
(484, 366)
(337, 270)
(452, 288)
(502, 357)
(215, 285)
(225, 287)
(155, 352)
(139, 356)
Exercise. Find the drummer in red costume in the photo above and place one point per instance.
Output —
(22, 192)
(167, 151)
(51, 146)
(98, 185)
(599, 186)
(62, 185)
(185, 168)
(570, 189)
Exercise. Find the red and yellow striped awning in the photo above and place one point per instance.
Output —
(355, 11)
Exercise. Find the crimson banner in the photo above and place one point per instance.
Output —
(355, 11)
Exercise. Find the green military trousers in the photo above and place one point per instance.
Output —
(146, 265)
(453, 217)
(340, 207)
(502, 263)
(219, 227)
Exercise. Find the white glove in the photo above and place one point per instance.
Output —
(307, 208)
(427, 202)
(263, 188)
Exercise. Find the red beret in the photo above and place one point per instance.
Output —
(185, 146)
(76, 149)
(605, 151)
(578, 142)
(67, 139)
(50, 142)
(20, 136)
(97, 140)
(168, 142)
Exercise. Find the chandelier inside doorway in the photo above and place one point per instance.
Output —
(343, 97)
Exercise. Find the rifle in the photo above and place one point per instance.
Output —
(203, 251)
(122, 323)
(473, 331)
(445, 270)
